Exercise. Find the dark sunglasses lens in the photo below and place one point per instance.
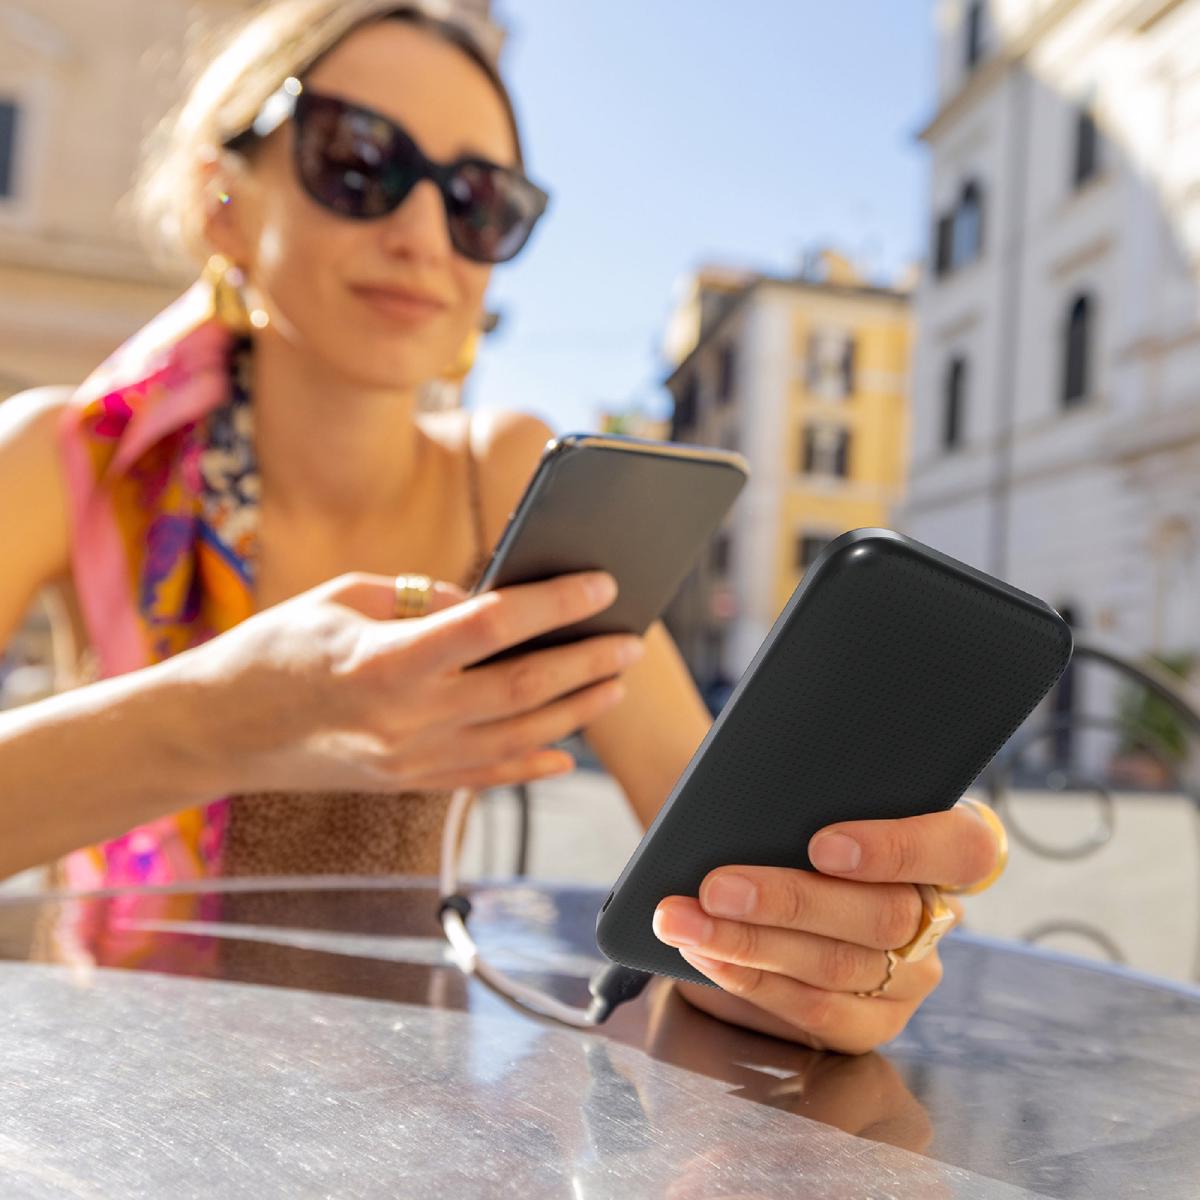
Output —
(491, 211)
(350, 160)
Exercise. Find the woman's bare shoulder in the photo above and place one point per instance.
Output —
(33, 414)
(36, 549)
(507, 446)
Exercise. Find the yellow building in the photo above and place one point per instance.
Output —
(808, 378)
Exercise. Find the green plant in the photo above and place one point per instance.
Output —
(1146, 716)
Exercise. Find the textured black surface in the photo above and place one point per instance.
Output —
(887, 684)
(642, 517)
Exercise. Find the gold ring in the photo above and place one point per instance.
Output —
(892, 959)
(413, 593)
(937, 919)
(992, 820)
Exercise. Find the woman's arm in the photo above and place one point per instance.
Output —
(34, 536)
(94, 762)
(646, 741)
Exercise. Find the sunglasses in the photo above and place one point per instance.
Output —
(361, 165)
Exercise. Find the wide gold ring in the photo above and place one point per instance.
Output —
(937, 919)
(992, 820)
(413, 593)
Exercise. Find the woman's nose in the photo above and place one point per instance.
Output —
(418, 229)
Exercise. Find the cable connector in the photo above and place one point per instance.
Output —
(458, 902)
(611, 986)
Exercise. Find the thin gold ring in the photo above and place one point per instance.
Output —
(413, 593)
(892, 959)
(992, 820)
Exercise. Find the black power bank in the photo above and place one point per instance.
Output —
(890, 680)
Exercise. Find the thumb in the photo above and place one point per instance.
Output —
(374, 596)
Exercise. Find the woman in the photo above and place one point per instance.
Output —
(359, 166)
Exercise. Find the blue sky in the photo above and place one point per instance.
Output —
(674, 132)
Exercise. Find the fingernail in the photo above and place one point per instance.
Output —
(729, 896)
(835, 852)
(601, 588)
(630, 651)
(681, 926)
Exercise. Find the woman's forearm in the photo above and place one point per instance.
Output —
(94, 762)
(650, 737)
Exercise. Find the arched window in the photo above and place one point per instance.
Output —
(968, 224)
(973, 27)
(1077, 351)
(953, 402)
(1087, 159)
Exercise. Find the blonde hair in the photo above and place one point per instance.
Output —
(279, 39)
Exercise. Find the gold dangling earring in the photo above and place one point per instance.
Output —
(465, 359)
(228, 282)
(228, 303)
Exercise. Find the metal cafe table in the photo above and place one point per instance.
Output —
(286, 1037)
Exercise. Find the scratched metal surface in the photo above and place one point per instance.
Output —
(316, 1041)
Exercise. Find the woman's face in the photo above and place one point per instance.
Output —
(341, 289)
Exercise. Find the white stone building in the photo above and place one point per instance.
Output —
(1056, 398)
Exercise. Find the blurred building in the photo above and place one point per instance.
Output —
(81, 84)
(1056, 415)
(807, 377)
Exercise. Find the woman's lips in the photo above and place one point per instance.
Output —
(398, 304)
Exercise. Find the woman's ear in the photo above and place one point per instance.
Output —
(223, 224)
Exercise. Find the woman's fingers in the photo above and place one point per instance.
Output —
(954, 848)
(822, 1019)
(820, 962)
(878, 916)
(499, 741)
(527, 683)
(485, 625)
(374, 596)
(537, 764)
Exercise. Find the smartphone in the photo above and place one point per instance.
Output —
(639, 509)
(890, 680)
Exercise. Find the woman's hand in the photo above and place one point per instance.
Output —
(790, 949)
(327, 692)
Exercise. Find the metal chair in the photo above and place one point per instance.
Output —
(1043, 738)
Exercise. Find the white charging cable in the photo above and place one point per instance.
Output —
(611, 985)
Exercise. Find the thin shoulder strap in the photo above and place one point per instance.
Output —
(476, 497)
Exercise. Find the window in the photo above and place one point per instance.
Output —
(958, 234)
(943, 241)
(808, 546)
(1077, 352)
(726, 374)
(1087, 147)
(973, 25)
(829, 370)
(825, 450)
(9, 122)
(955, 398)
(720, 554)
(684, 417)
(968, 225)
